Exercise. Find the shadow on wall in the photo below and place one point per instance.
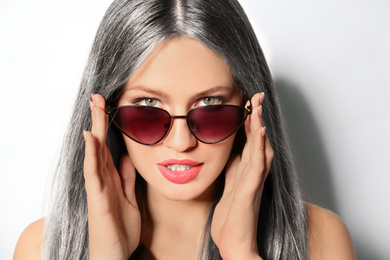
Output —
(307, 147)
(309, 154)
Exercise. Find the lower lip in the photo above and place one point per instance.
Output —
(180, 177)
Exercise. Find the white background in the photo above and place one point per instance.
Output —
(331, 63)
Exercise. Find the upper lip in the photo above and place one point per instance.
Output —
(179, 162)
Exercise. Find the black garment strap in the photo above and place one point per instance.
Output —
(141, 253)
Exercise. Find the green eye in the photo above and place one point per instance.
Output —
(150, 102)
(209, 100)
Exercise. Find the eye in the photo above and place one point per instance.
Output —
(150, 102)
(209, 101)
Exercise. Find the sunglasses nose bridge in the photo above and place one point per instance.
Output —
(178, 117)
(183, 117)
(179, 137)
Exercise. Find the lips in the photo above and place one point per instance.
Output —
(179, 171)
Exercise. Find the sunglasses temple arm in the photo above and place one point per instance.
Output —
(108, 110)
(249, 107)
(111, 116)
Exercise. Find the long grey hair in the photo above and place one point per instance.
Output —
(128, 33)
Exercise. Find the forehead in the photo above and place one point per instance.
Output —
(182, 66)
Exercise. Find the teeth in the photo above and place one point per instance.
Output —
(178, 167)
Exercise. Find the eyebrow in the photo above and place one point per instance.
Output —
(200, 94)
(211, 91)
(149, 90)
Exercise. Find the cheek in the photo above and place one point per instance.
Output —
(219, 154)
(137, 152)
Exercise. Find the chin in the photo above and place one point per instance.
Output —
(190, 191)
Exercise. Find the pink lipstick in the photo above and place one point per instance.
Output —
(179, 171)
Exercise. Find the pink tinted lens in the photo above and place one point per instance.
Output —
(212, 124)
(146, 125)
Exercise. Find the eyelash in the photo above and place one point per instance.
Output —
(136, 101)
(222, 100)
(219, 100)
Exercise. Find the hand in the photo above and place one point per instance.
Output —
(114, 220)
(234, 224)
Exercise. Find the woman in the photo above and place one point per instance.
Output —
(172, 183)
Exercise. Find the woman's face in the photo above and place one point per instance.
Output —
(179, 75)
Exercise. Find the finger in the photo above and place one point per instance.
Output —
(254, 150)
(99, 126)
(245, 151)
(128, 176)
(256, 164)
(253, 124)
(256, 121)
(269, 154)
(99, 119)
(91, 172)
(265, 147)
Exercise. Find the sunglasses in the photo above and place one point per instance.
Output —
(149, 125)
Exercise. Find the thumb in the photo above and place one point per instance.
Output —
(127, 174)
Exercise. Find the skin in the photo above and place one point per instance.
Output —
(175, 73)
(178, 76)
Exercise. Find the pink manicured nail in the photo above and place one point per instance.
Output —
(262, 97)
(85, 135)
(263, 131)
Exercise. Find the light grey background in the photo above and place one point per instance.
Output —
(330, 61)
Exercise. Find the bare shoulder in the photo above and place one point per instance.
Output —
(30, 243)
(328, 236)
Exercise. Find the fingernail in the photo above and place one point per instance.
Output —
(91, 106)
(262, 97)
(85, 135)
(260, 110)
(92, 96)
(263, 131)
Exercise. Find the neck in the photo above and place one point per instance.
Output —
(178, 215)
(176, 226)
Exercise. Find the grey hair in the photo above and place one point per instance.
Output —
(128, 33)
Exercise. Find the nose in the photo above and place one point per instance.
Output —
(179, 137)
